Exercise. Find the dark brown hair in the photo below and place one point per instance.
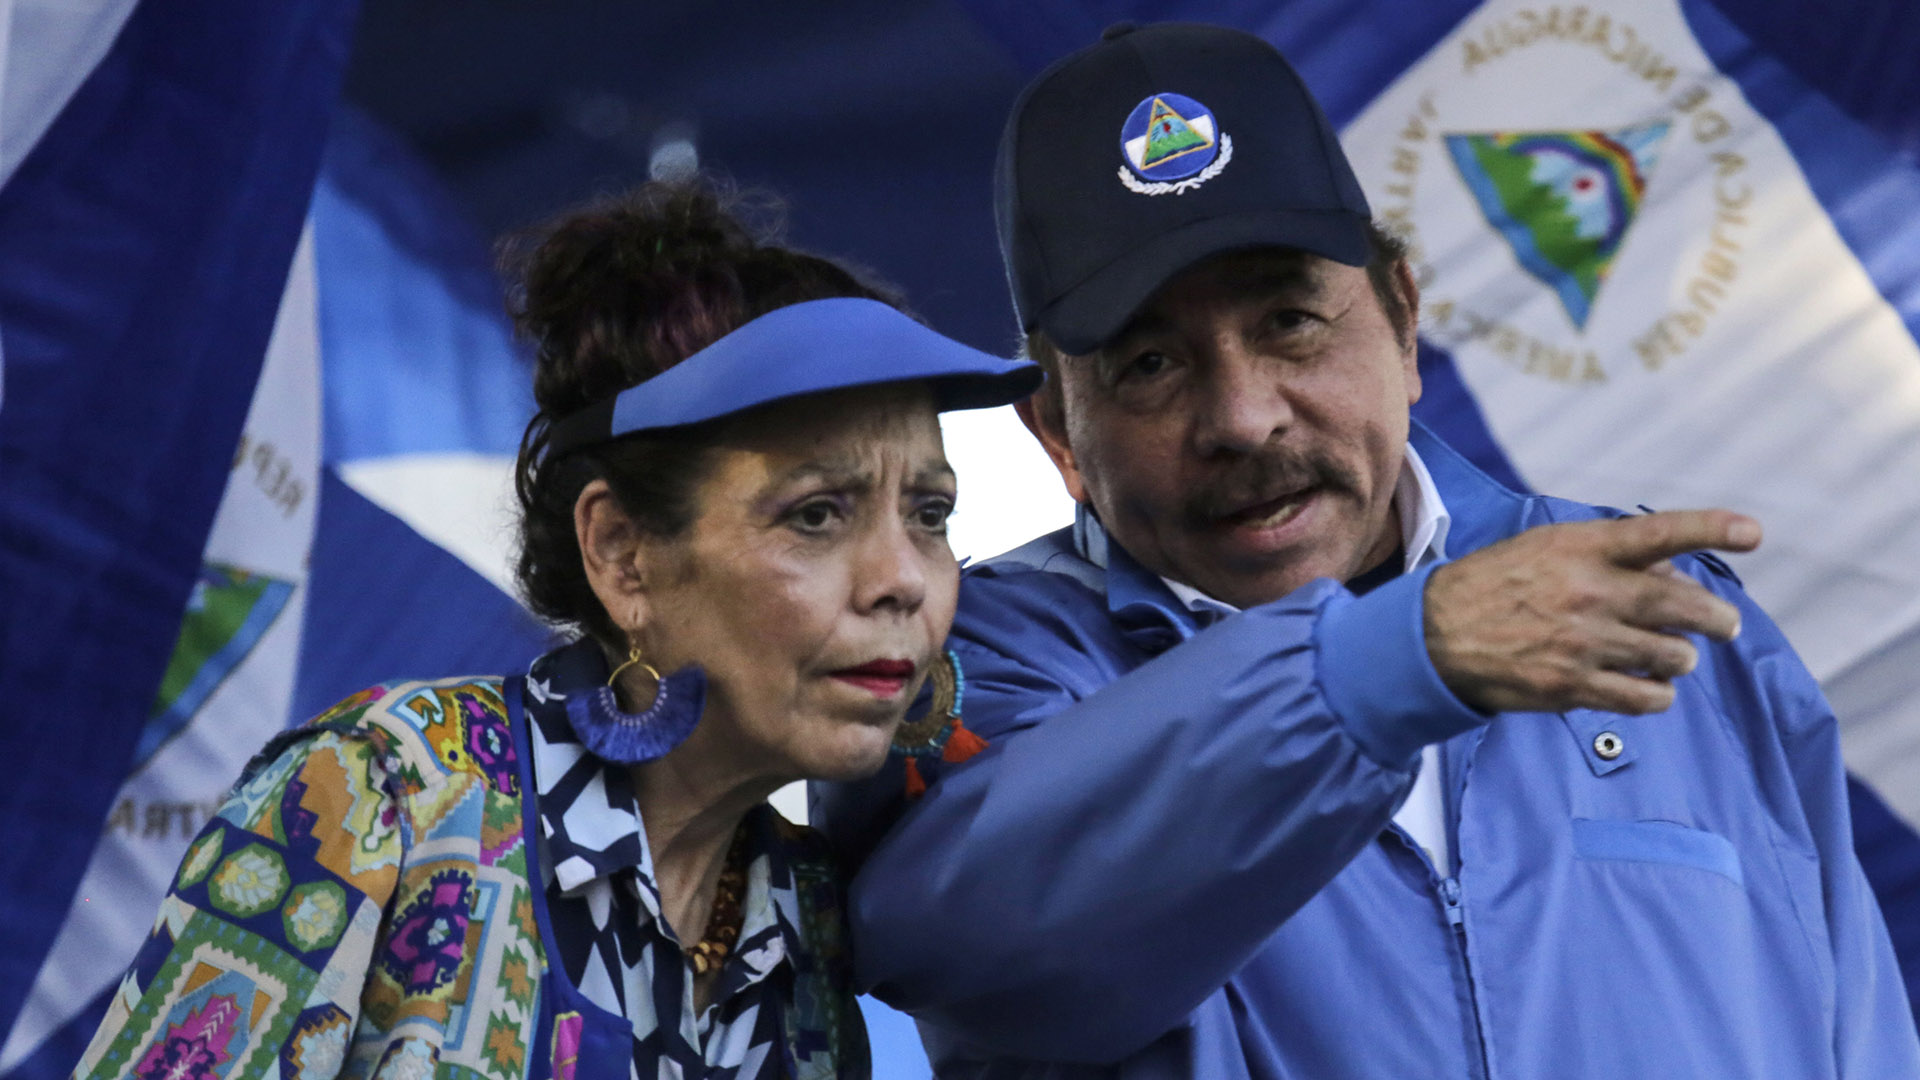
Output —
(613, 294)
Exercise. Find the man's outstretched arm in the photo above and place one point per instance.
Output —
(1128, 840)
(1107, 862)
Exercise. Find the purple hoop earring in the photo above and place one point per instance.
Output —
(626, 738)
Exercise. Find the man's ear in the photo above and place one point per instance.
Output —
(612, 555)
(1410, 352)
(1045, 414)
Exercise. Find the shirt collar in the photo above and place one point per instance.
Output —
(1423, 533)
(1424, 524)
(770, 917)
(588, 814)
(1139, 602)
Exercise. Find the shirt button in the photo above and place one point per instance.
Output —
(1608, 745)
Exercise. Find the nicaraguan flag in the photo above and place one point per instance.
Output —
(252, 464)
(157, 166)
(1670, 250)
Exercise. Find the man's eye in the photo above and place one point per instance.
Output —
(814, 516)
(1145, 366)
(1287, 320)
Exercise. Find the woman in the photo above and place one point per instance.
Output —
(735, 492)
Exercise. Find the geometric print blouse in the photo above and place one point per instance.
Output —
(605, 908)
(364, 905)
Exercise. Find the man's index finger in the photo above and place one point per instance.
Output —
(1639, 542)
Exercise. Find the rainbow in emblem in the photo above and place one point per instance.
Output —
(1562, 199)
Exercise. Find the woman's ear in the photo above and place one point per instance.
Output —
(611, 553)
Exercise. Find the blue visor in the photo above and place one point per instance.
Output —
(805, 348)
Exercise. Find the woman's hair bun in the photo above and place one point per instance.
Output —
(615, 293)
(625, 288)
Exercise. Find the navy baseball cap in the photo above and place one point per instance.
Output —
(806, 348)
(1151, 150)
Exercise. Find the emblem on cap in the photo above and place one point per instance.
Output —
(1171, 145)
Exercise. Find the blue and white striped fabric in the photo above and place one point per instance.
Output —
(192, 420)
(157, 175)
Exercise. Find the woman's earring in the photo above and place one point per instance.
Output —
(626, 738)
(940, 734)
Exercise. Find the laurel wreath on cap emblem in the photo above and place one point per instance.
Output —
(1179, 187)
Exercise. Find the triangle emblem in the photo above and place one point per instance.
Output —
(1169, 136)
(227, 613)
(1562, 199)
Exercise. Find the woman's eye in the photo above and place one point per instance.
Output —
(932, 515)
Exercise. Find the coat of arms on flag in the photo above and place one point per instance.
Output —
(1562, 199)
(1668, 261)
(227, 613)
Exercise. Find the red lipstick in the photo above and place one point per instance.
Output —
(881, 678)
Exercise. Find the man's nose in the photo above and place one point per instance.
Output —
(1242, 404)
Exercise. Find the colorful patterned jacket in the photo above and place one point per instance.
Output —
(361, 906)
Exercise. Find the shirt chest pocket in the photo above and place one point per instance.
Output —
(1662, 842)
(1674, 843)
(1659, 797)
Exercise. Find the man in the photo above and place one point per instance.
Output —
(1311, 751)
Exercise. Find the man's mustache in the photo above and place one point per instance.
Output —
(1263, 477)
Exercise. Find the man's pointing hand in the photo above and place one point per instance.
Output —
(1585, 615)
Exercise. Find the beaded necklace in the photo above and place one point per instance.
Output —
(726, 918)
